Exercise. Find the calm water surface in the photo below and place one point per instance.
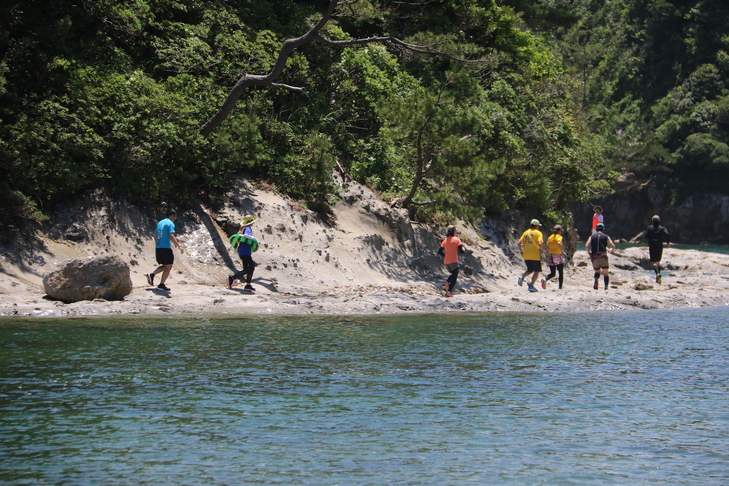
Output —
(724, 249)
(599, 398)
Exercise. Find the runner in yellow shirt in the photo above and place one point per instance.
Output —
(555, 260)
(531, 247)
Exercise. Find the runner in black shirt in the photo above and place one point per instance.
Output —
(597, 246)
(656, 235)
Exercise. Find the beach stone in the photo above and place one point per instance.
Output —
(89, 278)
(75, 232)
(641, 286)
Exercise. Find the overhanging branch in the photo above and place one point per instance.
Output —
(251, 80)
(395, 42)
(267, 80)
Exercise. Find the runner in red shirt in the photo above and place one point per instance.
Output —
(449, 250)
(597, 218)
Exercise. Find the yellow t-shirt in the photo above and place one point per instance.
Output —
(532, 239)
(554, 244)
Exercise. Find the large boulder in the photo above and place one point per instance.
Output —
(89, 278)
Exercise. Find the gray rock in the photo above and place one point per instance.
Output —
(89, 278)
(75, 232)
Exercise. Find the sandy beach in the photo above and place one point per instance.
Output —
(366, 259)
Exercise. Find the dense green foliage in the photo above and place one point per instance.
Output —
(111, 93)
(654, 77)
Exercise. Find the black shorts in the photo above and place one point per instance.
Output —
(165, 256)
(656, 252)
(533, 265)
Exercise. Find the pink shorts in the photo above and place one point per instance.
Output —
(554, 260)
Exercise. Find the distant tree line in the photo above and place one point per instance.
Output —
(654, 78)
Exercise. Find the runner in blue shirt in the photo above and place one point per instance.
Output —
(164, 237)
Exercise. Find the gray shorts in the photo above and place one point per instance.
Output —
(600, 262)
(453, 266)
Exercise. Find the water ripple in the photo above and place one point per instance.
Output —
(621, 398)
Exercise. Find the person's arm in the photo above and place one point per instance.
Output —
(668, 237)
(230, 244)
(611, 245)
(176, 243)
(461, 250)
(441, 251)
(587, 244)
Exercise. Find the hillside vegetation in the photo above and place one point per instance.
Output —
(112, 94)
(518, 104)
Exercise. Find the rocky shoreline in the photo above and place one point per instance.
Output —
(368, 259)
(680, 289)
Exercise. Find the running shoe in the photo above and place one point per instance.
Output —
(532, 289)
(448, 294)
(544, 284)
(230, 281)
(520, 280)
(249, 288)
(658, 279)
(163, 287)
(445, 286)
(595, 286)
(150, 279)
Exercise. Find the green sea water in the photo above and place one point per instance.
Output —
(723, 249)
(636, 397)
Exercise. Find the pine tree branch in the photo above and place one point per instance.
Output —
(267, 80)
(251, 80)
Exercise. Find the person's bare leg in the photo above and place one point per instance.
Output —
(165, 273)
